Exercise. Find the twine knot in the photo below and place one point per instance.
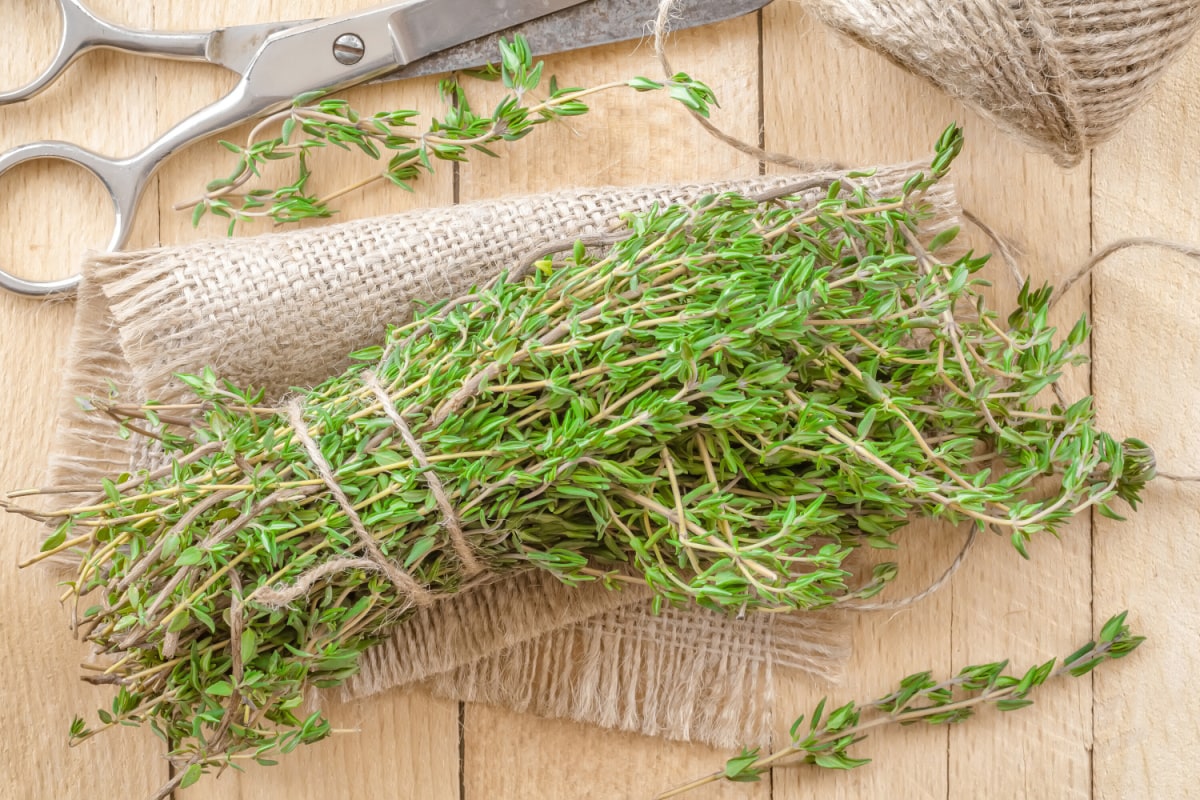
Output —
(374, 560)
(458, 539)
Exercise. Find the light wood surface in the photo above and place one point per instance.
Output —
(1132, 733)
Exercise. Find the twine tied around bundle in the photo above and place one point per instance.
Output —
(375, 560)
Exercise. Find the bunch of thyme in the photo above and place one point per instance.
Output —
(918, 698)
(721, 404)
(315, 121)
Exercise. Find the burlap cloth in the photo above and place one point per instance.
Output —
(283, 310)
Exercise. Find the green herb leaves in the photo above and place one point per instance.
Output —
(919, 699)
(315, 122)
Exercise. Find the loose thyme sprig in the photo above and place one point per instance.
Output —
(315, 121)
(919, 698)
(721, 405)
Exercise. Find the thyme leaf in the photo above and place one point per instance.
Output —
(315, 122)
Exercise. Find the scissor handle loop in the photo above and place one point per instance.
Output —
(80, 31)
(83, 31)
(119, 182)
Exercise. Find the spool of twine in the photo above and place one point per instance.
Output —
(1062, 75)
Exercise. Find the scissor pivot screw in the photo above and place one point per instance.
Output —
(349, 49)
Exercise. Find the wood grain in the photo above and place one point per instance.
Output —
(52, 214)
(1147, 370)
(816, 97)
(837, 101)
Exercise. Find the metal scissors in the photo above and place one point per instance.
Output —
(279, 61)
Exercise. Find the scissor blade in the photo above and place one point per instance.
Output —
(424, 27)
(589, 24)
(235, 47)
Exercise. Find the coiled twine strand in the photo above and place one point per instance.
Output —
(1062, 75)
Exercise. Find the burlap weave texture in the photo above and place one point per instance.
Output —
(283, 310)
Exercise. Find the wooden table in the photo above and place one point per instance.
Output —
(1132, 732)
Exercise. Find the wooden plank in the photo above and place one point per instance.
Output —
(402, 744)
(627, 139)
(52, 213)
(827, 98)
(1147, 368)
(805, 118)
(630, 138)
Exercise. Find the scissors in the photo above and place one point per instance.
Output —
(281, 60)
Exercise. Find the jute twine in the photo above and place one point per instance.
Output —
(1062, 75)
(375, 560)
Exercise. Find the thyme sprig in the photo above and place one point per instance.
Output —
(918, 698)
(722, 404)
(314, 122)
